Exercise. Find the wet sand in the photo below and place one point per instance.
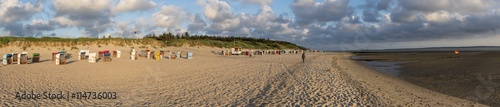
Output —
(472, 76)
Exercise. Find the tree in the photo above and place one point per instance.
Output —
(178, 36)
(186, 35)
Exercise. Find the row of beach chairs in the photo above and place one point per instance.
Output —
(19, 58)
(60, 57)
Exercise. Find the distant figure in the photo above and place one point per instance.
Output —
(303, 57)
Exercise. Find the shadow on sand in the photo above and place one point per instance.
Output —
(69, 62)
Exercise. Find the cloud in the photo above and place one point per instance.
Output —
(125, 30)
(197, 25)
(264, 24)
(172, 18)
(261, 2)
(446, 5)
(309, 11)
(134, 29)
(93, 16)
(12, 11)
(36, 28)
(219, 16)
(82, 8)
(313, 23)
(386, 21)
(373, 8)
(133, 5)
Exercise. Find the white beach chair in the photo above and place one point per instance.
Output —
(118, 53)
(7, 59)
(133, 54)
(87, 52)
(189, 55)
(148, 55)
(92, 57)
(58, 59)
(80, 54)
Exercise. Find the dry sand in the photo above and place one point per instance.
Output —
(212, 80)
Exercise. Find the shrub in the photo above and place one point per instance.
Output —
(75, 48)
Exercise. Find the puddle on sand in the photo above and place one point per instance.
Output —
(389, 68)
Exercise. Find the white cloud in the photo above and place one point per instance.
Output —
(90, 15)
(13, 11)
(66, 22)
(171, 17)
(85, 7)
(261, 2)
(133, 5)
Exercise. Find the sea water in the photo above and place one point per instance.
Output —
(386, 67)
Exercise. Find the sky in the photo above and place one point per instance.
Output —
(315, 24)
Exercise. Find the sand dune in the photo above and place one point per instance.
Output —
(210, 80)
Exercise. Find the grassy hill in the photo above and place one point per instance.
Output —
(152, 40)
(230, 44)
(222, 42)
(69, 42)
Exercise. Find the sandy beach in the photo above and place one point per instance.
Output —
(326, 79)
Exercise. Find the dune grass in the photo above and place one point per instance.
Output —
(237, 43)
(154, 42)
(73, 42)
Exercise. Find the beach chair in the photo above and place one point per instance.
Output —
(189, 55)
(23, 58)
(152, 55)
(61, 59)
(92, 57)
(7, 59)
(148, 54)
(82, 55)
(133, 54)
(143, 53)
(118, 53)
(162, 54)
(115, 54)
(172, 55)
(15, 58)
(157, 56)
(107, 57)
(169, 55)
(54, 56)
(100, 56)
(87, 52)
(178, 55)
(35, 58)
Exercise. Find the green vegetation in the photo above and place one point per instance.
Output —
(222, 42)
(74, 48)
(165, 39)
(72, 42)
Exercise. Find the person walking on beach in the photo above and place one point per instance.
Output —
(303, 57)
